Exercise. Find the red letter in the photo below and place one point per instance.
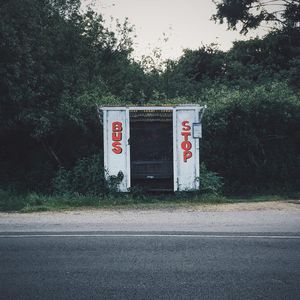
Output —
(117, 136)
(117, 126)
(186, 135)
(186, 145)
(187, 155)
(116, 147)
(185, 125)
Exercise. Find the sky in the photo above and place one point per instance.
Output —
(171, 25)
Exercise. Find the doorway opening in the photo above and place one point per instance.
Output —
(151, 149)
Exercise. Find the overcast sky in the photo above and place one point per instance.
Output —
(186, 24)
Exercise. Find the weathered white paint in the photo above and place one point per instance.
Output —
(186, 173)
(117, 162)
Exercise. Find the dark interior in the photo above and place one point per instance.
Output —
(151, 150)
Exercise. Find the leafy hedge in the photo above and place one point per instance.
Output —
(252, 138)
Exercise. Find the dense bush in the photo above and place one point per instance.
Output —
(85, 178)
(10, 201)
(210, 182)
(252, 138)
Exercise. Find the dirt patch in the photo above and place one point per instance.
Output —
(251, 206)
(221, 207)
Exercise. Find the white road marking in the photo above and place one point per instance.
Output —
(154, 235)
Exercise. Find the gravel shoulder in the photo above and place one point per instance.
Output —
(279, 216)
(252, 206)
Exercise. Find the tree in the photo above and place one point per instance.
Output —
(252, 13)
(51, 56)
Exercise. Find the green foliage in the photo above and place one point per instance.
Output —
(252, 138)
(62, 182)
(57, 64)
(114, 181)
(256, 61)
(85, 178)
(10, 201)
(210, 182)
(251, 13)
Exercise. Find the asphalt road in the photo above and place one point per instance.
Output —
(137, 265)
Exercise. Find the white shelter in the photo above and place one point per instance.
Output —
(155, 147)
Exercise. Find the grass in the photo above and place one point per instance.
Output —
(36, 203)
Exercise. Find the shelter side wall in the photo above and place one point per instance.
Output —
(186, 150)
(116, 148)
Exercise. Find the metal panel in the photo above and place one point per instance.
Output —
(116, 144)
(186, 149)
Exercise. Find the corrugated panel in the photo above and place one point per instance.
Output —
(151, 115)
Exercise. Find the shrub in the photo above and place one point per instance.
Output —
(9, 201)
(251, 138)
(85, 178)
(210, 182)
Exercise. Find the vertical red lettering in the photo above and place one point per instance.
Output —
(186, 145)
(117, 137)
(117, 126)
(186, 135)
(186, 126)
(187, 155)
(116, 147)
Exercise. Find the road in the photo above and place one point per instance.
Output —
(146, 266)
(254, 256)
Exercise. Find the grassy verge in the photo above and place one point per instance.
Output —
(34, 202)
